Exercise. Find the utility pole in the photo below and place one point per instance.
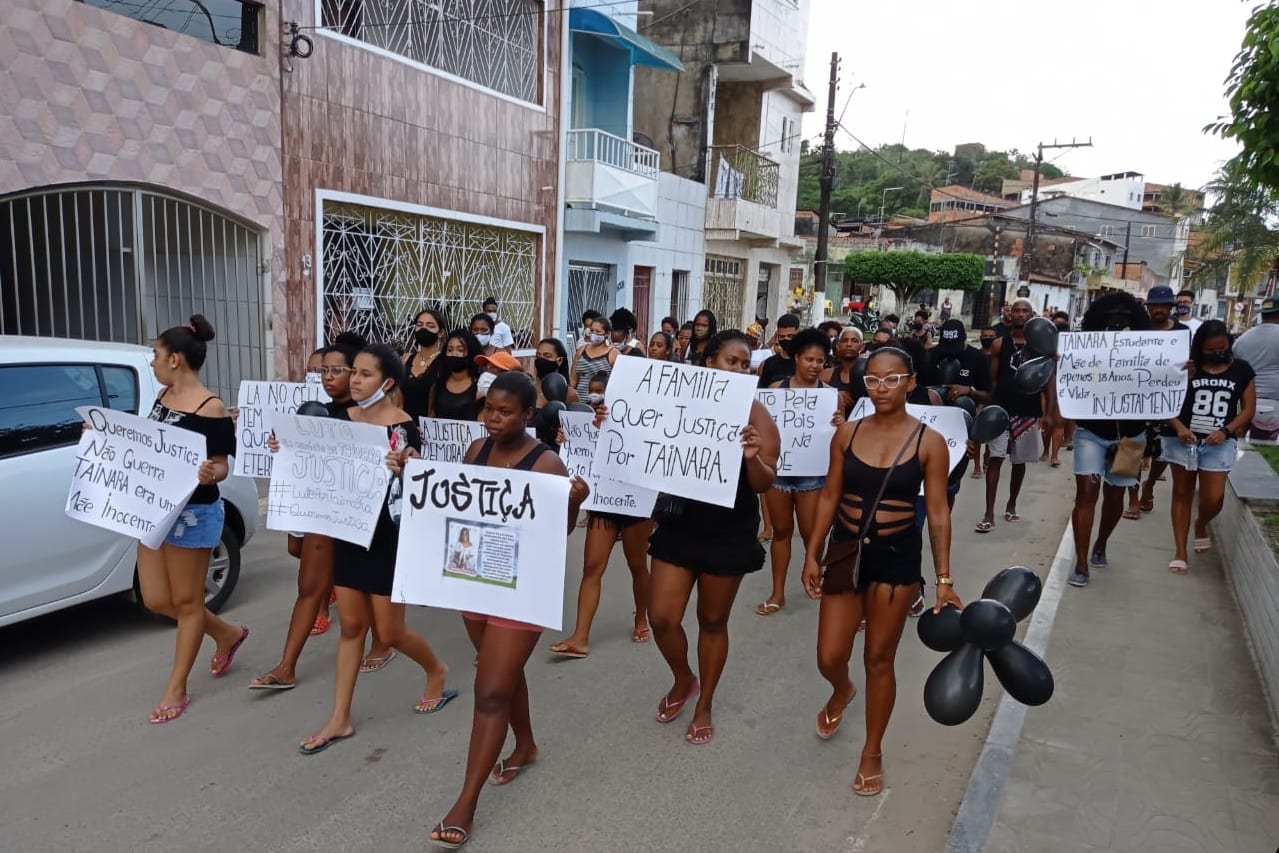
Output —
(1028, 253)
(827, 184)
(1127, 243)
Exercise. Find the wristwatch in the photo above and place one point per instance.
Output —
(1229, 432)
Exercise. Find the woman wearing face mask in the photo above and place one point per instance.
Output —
(456, 392)
(482, 327)
(624, 324)
(683, 339)
(597, 356)
(1219, 406)
(422, 361)
(171, 577)
(364, 576)
(551, 357)
(793, 498)
(704, 328)
(848, 351)
(661, 346)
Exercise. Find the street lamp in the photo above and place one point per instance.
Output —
(883, 199)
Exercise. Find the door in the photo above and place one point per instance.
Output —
(641, 299)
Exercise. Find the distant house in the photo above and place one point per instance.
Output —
(953, 202)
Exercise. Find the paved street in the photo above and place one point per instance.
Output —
(84, 771)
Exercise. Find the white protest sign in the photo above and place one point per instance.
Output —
(578, 455)
(1122, 376)
(803, 418)
(330, 477)
(133, 475)
(676, 426)
(947, 420)
(485, 540)
(447, 440)
(257, 402)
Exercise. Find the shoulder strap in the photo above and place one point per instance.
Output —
(856, 427)
(482, 457)
(869, 517)
(204, 403)
(530, 458)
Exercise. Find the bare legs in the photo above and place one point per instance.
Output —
(1212, 493)
(993, 467)
(315, 579)
(781, 510)
(600, 539)
(1087, 489)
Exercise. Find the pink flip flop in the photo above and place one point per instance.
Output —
(668, 711)
(219, 666)
(163, 709)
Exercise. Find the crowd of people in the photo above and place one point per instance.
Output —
(861, 523)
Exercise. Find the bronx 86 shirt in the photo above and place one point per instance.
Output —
(1214, 398)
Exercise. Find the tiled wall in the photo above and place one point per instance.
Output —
(359, 122)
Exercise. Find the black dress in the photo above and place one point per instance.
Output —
(459, 406)
(372, 570)
(417, 389)
(710, 539)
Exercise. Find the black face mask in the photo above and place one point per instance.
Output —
(917, 326)
(456, 363)
(426, 338)
(987, 343)
(544, 367)
(1116, 327)
(1217, 357)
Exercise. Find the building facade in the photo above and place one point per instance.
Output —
(731, 122)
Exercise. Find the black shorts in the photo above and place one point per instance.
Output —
(702, 552)
(611, 519)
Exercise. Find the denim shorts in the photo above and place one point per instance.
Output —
(1199, 456)
(798, 484)
(198, 526)
(1090, 457)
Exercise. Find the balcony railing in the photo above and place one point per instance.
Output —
(596, 145)
(740, 173)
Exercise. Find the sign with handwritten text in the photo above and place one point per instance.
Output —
(133, 475)
(675, 426)
(447, 440)
(1122, 376)
(485, 540)
(578, 455)
(257, 403)
(803, 418)
(947, 420)
(330, 477)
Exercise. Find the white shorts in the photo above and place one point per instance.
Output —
(1026, 448)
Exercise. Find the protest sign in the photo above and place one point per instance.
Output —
(947, 420)
(133, 475)
(257, 402)
(330, 477)
(446, 440)
(675, 425)
(803, 418)
(1122, 376)
(578, 455)
(485, 540)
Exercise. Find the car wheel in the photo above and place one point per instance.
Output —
(224, 571)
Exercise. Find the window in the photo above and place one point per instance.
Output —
(121, 384)
(38, 405)
(1107, 230)
(496, 44)
(724, 290)
(679, 295)
(788, 134)
(229, 23)
(1148, 230)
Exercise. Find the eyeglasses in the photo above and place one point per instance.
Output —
(334, 371)
(891, 381)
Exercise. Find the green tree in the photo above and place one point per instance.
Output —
(907, 273)
(1238, 229)
(1253, 89)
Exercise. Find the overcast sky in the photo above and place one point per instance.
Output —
(1141, 77)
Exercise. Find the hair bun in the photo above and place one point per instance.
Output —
(351, 339)
(201, 327)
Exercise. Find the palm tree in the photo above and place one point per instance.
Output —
(1239, 233)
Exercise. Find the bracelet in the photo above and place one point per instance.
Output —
(945, 580)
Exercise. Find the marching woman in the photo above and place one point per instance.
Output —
(1219, 406)
(848, 351)
(598, 356)
(456, 393)
(710, 548)
(421, 361)
(503, 645)
(876, 467)
(364, 577)
(551, 357)
(793, 498)
(661, 347)
(705, 327)
(172, 577)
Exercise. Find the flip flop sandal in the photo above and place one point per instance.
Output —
(1203, 545)
(984, 526)
(434, 704)
(864, 781)
(668, 711)
(832, 726)
(1179, 567)
(699, 735)
(641, 635)
(219, 665)
(767, 608)
(271, 682)
(976, 475)
(321, 625)
(564, 650)
(319, 744)
(180, 708)
(372, 664)
(440, 829)
(1011, 516)
(1132, 514)
(1147, 506)
(501, 770)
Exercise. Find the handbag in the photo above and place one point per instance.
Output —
(843, 560)
(1123, 458)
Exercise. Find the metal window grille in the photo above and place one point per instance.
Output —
(679, 295)
(724, 290)
(590, 286)
(110, 264)
(381, 267)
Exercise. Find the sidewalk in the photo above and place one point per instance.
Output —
(1158, 737)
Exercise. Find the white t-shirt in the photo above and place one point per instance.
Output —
(502, 337)
(1259, 346)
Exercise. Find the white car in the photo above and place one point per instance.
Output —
(49, 561)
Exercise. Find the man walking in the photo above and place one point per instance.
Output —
(1159, 305)
(1259, 346)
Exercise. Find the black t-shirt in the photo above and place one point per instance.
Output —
(334, 406)
(774, 369)
(1213, 399)
(974, 367)
(417, 389)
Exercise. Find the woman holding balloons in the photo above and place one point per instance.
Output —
(877, 465)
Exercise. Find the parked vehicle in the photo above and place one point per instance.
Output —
(50, 561)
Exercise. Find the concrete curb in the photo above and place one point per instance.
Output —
(977, 810)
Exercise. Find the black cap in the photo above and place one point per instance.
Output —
(952, 339)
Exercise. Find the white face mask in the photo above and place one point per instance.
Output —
(372, 399)
(595, 338)
(314, 378)
(493, 316)
(484, 339)
(484, 382)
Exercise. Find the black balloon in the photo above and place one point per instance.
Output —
(948, 371)
(1018, 588)
(313, 409)
(940, 631)
(579, 406)
(548, 422)
(968, 404)
(555, 387)
(987, 624)
(857, 376)
(1041, 336)
(1022, 673)
(1033, 376)
(990, 423)
(952, 692)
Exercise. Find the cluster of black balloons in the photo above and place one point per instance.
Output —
(547, 422)
(954, 688)
(1036, 370)
(313, 409)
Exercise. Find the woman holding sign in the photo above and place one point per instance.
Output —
(172, 578)
(503, 645)
(363, 577)
(793, 498)
(877, 465)
(710, 548)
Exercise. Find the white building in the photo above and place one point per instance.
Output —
(1124, 189)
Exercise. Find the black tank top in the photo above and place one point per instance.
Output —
(525, 464)
(1011, 357)
(460, 405)
(734, 527)
(862, 483)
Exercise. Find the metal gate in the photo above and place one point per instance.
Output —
(641, 298)
(589, 286)
(123, 265)
(724, 290)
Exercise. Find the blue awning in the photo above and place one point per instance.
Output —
(643, 51)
